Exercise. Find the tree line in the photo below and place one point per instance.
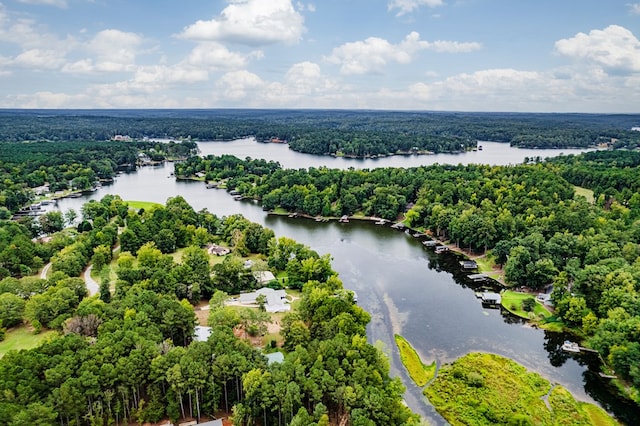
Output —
(330, 132)
(70, 165)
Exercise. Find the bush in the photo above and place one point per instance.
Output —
(529, 304)
(475, 379)
(37, 326)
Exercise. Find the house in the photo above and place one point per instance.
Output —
(274, 357)
(217, 422)
(264, 277)
(276, 300)
(545, 299)
(202, 333)
(217, 250)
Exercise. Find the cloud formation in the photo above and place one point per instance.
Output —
(408, 6)
(372, 54)
(252, 23)
(615, 48)
(634, 8)
(110, 50)
(57, 3)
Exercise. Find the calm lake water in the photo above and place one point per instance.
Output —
(406, 288)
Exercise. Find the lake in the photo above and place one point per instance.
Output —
(406, 288)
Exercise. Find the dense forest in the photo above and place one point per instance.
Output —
(71, 165)
(128, 354)
(328, 132)
(528, 217)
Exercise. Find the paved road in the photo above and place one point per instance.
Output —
(92, 285)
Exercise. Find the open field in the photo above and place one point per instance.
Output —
(137, 205)
(586, 193)
(22, 338)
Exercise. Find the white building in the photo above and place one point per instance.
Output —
(276, 300)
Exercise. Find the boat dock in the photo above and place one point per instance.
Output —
(478, 277)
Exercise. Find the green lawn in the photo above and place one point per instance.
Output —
(137, 205)
(512, 301)
(22, 338)
(419, 372)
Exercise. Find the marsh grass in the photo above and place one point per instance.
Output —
(487, 389)
(419, 372)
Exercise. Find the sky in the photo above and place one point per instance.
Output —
(444, 55)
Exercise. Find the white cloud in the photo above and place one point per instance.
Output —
(634, 8)
(372, 54)
(212, 55)
(115, 50)
(505, 89)
(615, 48)
(28, 35)
(39, 59)
(408, 6)
(160, 76)
(251, 22)
(237, 85)
(308, 6)
(57, 3)
(110, 51)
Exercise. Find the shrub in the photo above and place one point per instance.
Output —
(475, 379)
(528, 304)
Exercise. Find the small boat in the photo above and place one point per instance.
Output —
(381, 222)
(568, 346)
(344, 219)
(441, 249)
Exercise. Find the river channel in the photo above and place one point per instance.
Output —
(406, 288)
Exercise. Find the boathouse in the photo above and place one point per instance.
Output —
(469, 264)
(491, 299)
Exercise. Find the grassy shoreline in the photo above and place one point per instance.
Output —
(419, 372)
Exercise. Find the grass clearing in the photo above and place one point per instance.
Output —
(584, 192)
(147, 205)
(419, 372)
(23, 338)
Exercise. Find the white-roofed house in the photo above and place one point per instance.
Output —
(276, 300)
(202, 333)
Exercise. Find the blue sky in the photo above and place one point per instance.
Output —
(459, 55)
